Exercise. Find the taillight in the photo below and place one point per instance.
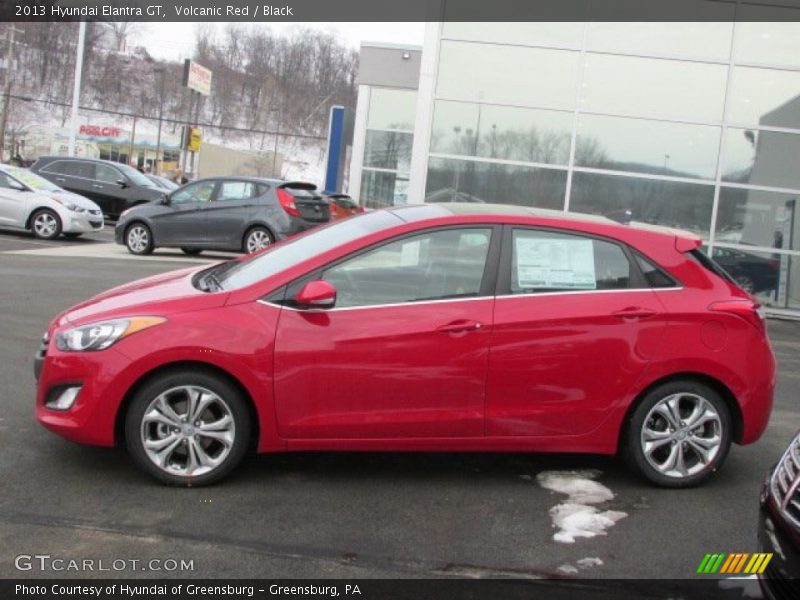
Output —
(287, 203)
(750, 310)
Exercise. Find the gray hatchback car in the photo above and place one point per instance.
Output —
(240, 214)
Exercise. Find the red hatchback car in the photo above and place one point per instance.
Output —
(423, 328)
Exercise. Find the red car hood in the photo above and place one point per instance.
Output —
(159, 295)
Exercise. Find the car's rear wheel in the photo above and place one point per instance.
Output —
(191, 251)
(139, 239)
(679, 434)
(45, 224)
(188, 428)
(257, 238)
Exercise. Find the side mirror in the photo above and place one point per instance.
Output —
(316, 294)
(122, 183)
(164, 200)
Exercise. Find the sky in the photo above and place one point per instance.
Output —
(175, 41)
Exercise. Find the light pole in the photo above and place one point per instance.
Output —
(76, 89)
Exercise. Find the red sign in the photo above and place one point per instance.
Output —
(97, 131)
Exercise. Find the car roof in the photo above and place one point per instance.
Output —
(83, 158)
(420, 212)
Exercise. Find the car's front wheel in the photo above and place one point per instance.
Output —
(46, 224)
(139, 239)
(679, 434)
(188, 428)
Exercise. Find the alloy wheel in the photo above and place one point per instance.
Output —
(188, 431)
(138, 239)
(45, 225)
(681, 435)
(258, 239)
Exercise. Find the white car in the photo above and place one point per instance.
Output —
(28, 201)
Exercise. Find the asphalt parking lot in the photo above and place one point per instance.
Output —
(335, 515)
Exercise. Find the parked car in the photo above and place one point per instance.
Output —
(113, 186)
(342, 206)
(460, 327)
(223, 213)
(162, 182)
(753, 273)
(779, 527)
(32, 203)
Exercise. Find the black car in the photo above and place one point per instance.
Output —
(223, 213)
(779, 527)
(752, 272)
(114, 187)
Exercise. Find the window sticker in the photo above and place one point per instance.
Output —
(556, 264)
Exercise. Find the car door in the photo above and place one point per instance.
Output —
(233, 206)
(404, 352)
(575, 326)
(185, 221)
(14, 202)
(110, 188)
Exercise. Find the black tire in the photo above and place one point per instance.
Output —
(72, 236)
(137, 427)
(139, 239)
(46, 224)
(747, 284)
(257, 232)
(191, 251)
(682, 440)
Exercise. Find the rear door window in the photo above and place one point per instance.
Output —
(236, 190)
(545, 261)
(75, 168)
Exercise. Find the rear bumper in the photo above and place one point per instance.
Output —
(299, 224)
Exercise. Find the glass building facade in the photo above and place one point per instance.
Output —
(689, 125)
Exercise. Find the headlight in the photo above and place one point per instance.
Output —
(69, 205)
(99, 336)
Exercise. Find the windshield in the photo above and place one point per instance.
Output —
(296, 251)
(135, 176)
(32, 180)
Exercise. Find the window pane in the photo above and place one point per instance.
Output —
(380, 189)
(505, 132)
(652, 86)
(772, 278)
(556, 35)
(236, 190)
(761, 158)
(199, 192)
(683, 205)
(758, 218)
(647, 146)
(655, 277)
(765, 97)
(391, 109)
(774, 40)
(388, 150)
(471, 181)
(544, 262)
(431, 266)
(710, 41)
(107, 174)
(507, 74)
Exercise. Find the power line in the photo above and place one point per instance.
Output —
(175, 121)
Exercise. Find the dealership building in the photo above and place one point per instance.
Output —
(687, 125)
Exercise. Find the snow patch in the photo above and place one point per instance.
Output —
(589, 562)
(567, 569)
(576, 517)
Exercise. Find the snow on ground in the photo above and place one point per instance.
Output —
(588, 562)
(748, 585)
(577, 517)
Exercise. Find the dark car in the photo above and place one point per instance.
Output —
(779, 527)
(114, 187)
(223, 213)
(753, 273)
(162, 182)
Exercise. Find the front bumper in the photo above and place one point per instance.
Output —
(82, 223)
(781, 579)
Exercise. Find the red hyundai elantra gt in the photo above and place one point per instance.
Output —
(422, 328)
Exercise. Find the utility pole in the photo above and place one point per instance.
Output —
(160, 163)
(76, 89)
(7, 88)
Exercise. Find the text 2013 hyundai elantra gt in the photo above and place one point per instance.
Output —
(422, 328)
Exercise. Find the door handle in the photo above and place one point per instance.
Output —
(634, 312)
(60, 179)
(98, 186)
(460, 326)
